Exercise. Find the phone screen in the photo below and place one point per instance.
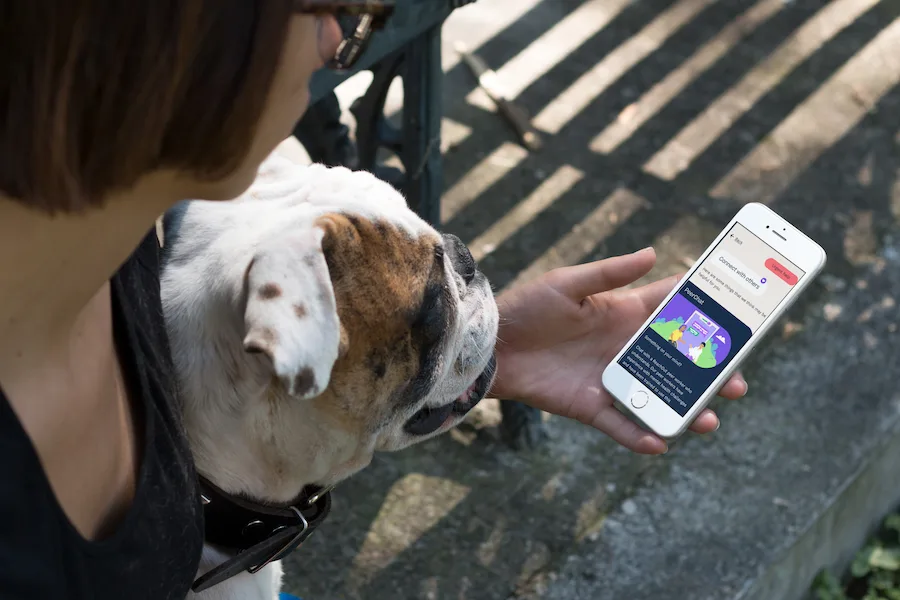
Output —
(714, 313)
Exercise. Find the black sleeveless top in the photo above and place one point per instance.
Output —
(155, 551)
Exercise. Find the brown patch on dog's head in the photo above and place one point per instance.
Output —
(390, 292)
(269, 291)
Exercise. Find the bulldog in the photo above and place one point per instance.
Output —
(313, 321)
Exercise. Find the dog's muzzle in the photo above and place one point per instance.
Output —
(430, 419)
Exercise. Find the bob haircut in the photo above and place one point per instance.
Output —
(95, 94)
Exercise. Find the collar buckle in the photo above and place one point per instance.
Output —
(239, 525)
(289, 545)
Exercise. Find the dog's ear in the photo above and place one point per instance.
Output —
(291, 314)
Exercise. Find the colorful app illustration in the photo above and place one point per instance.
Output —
(693, 333)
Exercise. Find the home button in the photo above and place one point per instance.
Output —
(639, 399)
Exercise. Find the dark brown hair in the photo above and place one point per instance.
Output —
(96, 93)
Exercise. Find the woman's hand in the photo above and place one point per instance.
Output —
(558, 333)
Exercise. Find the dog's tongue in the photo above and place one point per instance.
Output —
(464, 397)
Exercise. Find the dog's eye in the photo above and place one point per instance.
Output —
(439, 252)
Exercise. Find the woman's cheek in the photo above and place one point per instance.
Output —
(328, 37)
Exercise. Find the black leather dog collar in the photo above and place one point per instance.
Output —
(257, 533)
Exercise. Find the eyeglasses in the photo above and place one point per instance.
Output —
(361, 18)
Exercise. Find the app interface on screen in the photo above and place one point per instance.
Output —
(698, 332)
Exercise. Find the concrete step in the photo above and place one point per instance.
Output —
(799, 471)
(795, 480)
(797, 476)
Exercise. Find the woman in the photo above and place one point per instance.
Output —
(110, 112)
(676, 335)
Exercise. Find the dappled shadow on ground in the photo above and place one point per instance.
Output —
(692, 108)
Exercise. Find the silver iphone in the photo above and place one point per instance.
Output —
(695, 340)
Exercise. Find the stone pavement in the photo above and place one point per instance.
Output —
(660, 118)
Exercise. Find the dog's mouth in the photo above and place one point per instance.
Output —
(430, 419)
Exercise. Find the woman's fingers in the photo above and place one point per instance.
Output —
(614, 424)
(652, 294)
(580, 281)
(707, 422)
(735, 388)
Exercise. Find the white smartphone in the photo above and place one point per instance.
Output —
(694, 341)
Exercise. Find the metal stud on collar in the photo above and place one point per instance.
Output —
(318, 495)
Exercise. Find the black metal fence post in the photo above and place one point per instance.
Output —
(422, 111)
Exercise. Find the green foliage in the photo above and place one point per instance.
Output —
(874, 573)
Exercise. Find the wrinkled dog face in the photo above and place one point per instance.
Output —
(420, 322)
(316, 320)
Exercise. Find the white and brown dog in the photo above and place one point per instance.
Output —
(314, 321)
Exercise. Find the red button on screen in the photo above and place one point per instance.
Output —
(780, 270)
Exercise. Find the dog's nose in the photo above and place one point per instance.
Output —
(460, 257)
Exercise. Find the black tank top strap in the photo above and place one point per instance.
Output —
(155, 552)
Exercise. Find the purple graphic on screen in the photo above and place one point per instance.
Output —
(684, 325)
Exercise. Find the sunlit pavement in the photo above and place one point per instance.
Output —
(660, 118)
